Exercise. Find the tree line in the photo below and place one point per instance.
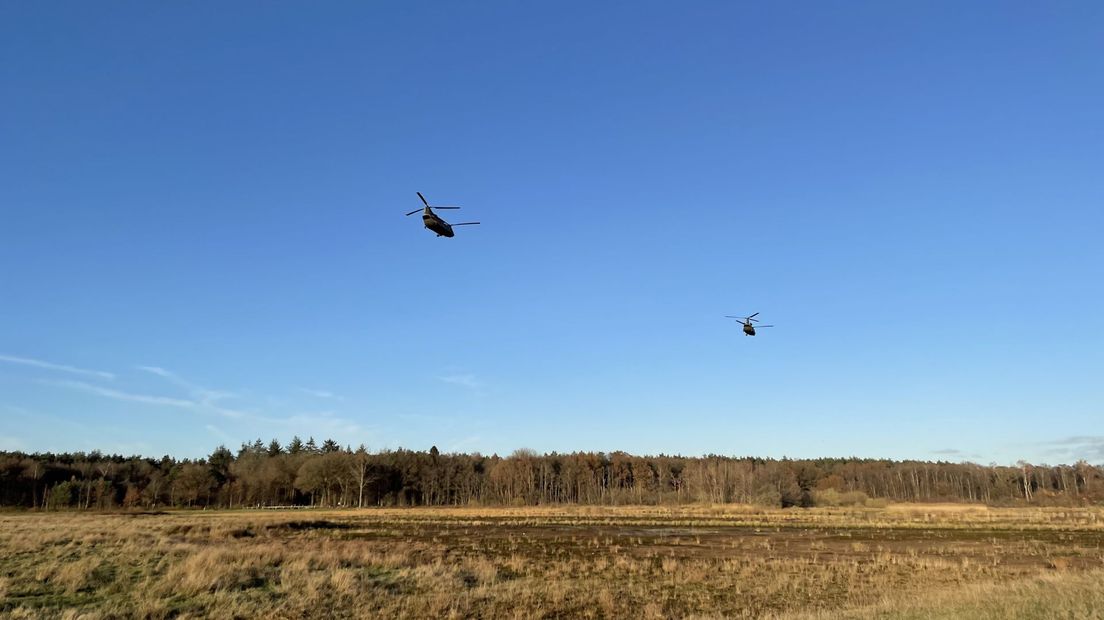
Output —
(307, 474)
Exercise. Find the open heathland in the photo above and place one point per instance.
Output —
(706, 561)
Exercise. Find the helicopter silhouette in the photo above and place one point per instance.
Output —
(749, 329)
(434, 222)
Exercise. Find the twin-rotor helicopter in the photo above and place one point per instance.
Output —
(434, 223)
(749, 329)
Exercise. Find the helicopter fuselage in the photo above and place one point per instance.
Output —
(749, 330)
(436, 224)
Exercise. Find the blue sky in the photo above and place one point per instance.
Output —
(202, 237)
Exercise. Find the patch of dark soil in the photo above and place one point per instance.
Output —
(318, 524)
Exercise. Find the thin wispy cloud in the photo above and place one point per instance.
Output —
(200, 395)
(202, 400)
(464, 444)
(467, 380)
(121, 395)
(218, 432)
(198, 392)
(1076, 440)
(26, 361)
(19, 411)
(146, 399)
(40, 417)
(321, 394)
(12, 444)
(954, 453)
(1076, 448)
(323, 422)
(418, 417)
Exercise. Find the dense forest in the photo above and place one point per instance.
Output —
(306, 474)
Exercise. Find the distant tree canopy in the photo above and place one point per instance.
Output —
(304, 473)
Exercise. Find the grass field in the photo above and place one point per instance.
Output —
(902, 561)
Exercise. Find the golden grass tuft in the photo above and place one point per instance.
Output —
(86, 573)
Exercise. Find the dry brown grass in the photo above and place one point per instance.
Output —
(589, 562)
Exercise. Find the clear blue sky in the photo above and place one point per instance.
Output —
(202, 237)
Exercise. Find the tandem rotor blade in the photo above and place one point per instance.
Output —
(445, 207)
(758, 326)
(423, 198)
(414, 211)
(464, 224)
(753, 315)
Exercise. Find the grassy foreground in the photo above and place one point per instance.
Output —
(903, 561)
